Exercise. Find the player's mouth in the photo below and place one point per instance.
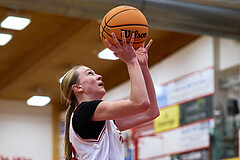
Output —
(101, 84)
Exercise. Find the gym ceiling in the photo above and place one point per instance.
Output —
(64, 33)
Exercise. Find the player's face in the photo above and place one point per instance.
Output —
(91, 83)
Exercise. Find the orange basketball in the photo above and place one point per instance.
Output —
(124, 18)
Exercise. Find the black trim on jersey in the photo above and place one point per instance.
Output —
(82, 120)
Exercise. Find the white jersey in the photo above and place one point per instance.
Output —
(108, 145)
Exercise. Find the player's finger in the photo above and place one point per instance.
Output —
(149, 44)
(124, 38)
(116, 40)
(110, 46)
(132, 40)
(142, 46)
(115, 54)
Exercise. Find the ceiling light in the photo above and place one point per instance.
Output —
(38, 100)
(4, 38)
(107, 54)
(16, 23)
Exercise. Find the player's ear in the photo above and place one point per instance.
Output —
(77, 88)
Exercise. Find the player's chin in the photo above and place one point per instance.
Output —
(103, 93)
(103, 90)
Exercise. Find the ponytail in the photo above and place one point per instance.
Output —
(70, 78)
(67, 147)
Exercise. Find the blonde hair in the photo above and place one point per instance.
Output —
(69, 79)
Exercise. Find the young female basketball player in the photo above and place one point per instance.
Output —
(92, 125)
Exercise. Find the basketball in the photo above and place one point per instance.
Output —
(124, 18)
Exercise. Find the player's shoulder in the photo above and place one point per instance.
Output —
(87, 105)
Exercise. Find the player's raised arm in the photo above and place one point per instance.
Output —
(139, 101)
(153, 111)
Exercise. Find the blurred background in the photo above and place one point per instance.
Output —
(194, 62)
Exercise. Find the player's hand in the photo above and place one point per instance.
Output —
(142, 53)
(124, 51)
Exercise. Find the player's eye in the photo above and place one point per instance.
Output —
(90, 73)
